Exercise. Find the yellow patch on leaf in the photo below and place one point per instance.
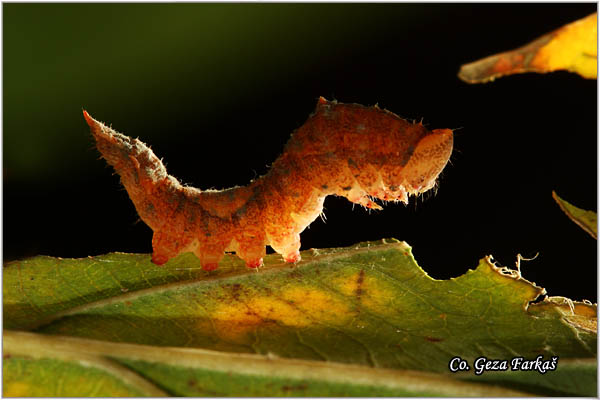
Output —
(296, 307)
(16, 389)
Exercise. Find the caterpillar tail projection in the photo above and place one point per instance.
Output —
(346, 150)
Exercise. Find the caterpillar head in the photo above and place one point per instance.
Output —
(427, 161)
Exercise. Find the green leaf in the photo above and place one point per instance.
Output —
(70, 375)
(198, 372)
(368, 308)
(588, 220)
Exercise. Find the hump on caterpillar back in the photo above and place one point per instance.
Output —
(387, 156)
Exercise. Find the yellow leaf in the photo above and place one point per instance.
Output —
(572, 47)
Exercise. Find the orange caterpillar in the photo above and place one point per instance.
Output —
(343, 149)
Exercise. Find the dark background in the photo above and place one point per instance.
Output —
(216, 90)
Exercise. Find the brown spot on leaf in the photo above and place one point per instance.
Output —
(288, 388)
(433, 339)
(359, 283)
(295, 274)
(538, 351)
(194, 384)
(235, 291)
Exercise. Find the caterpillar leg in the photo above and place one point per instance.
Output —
(397, 193)
(291, 253)
(210, 255)
(393, 180)
(288, 247)
(164, 248)
(250, 247)
(252, 254)
(358, 196)
(366, 202)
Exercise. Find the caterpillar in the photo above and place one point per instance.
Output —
(346, 150)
